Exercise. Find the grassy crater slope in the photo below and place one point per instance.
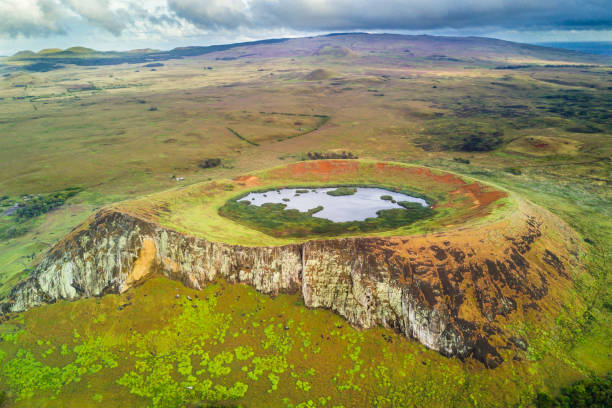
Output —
(195, 210)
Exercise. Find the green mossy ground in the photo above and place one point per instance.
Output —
(163, 345)
(275, 220)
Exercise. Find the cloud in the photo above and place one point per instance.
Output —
(334, 15)
(31, 18)
(99, 14)
(124, 18)
(40, 18)
(214, 14)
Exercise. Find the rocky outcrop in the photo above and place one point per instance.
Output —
(446, 292)
(118, 250)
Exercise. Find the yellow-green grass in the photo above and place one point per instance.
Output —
(118, 145)
(96, 352)
(195, 209)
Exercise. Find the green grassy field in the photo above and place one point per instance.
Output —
(95, 128)
(228, 345)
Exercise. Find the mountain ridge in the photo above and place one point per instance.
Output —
(480, 49)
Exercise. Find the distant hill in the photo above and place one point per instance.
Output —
(143, 51)
(24, 54)
(320, 74)
(80, 50)
(335, 51)
(49, 51)
(419, 48)
(591, 47)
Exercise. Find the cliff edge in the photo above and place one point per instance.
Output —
(453, 291)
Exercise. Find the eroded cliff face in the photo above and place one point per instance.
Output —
(450, 293)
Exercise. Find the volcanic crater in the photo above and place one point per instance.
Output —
(455, 281)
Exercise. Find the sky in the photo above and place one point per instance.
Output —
(166, 24)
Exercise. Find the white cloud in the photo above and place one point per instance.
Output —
(392, 14)
(100, 14)
(123, 22)
(31, 18)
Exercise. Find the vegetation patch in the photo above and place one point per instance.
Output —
(541, 146)
(320, 74)
(228, 345)
(513, 170)
(329, 155)
(42, 67)
(209, 163)
(457, 135)
(40, 204)
(595, 392)
(342, 191)
(18, 217)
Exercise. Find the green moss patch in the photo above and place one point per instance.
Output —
(164, 345)
(342, 191)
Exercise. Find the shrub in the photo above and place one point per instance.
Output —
(42, 204)
(482, 142)
(594, 392)
(513, 170)
(209, 163)
(330, 155)
(461, 160)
